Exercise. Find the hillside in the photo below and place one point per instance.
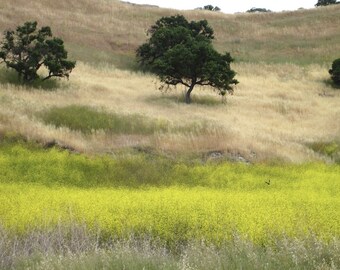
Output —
(104, 171)
(110, 31)
(283, 109)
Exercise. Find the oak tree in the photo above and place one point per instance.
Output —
(325, 3)
(27, 49)
(335, 72)
(181, 52)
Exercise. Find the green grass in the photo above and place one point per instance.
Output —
(28, 163)
(10, 76)
(330, 149)
(88, 120)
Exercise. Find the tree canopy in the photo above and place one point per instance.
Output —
(326, 2)
(27, 49)
(258, 10)
(335, 72)
(181, 52)
(209, 7)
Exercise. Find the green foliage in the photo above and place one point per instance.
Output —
(255, 10)
(27, 49)
(335, 72)
(330, 149)
(211, 8)
(181, 52)
(325, 2)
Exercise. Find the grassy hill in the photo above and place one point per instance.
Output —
(280, 109)
(105, 172)
(110, 31)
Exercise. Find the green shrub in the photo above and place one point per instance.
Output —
(330, 149)
(335, 72)
(325, 3)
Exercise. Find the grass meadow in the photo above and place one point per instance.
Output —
(277, 113)
(104, 171)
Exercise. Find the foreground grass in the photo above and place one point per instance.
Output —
(76, 247)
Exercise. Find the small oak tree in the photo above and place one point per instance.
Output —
(27, 49)
(258, 10)
(211, 8)
(335, 72)
(181, 52)
(325, 2)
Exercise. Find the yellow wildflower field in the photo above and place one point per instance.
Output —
(210, 202)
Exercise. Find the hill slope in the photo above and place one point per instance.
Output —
(110, 31)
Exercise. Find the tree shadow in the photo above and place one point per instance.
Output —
(331, 83)
(175, 99)
(11, 77)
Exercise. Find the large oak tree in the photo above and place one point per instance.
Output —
(181, 52)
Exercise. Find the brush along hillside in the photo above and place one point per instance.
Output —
(284, 106)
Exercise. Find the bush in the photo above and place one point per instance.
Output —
(258, 10)
(211, 8)
(335, 72)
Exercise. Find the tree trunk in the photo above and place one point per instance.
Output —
(187, 95)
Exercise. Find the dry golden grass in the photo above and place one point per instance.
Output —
(275, 111)
(117, 29)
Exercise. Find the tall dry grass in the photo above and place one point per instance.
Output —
(275, 112)
(77, 247)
